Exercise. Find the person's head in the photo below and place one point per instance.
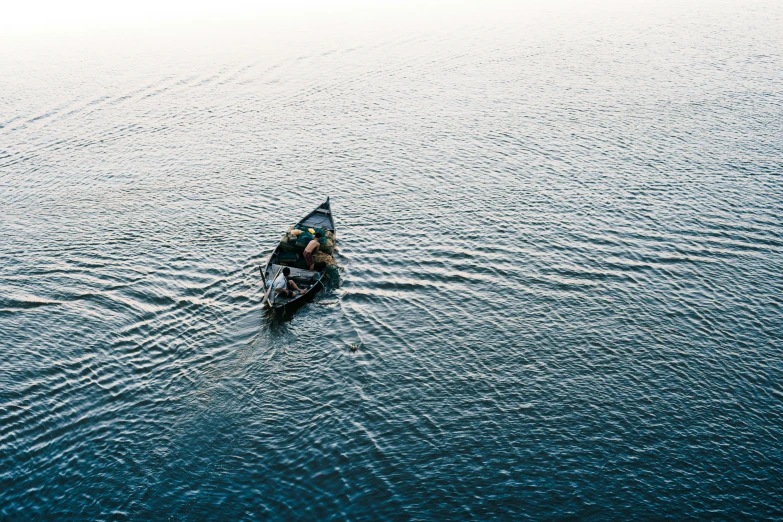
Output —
(286, 271)
(318, 235)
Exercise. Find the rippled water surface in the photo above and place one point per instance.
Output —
(561, 240)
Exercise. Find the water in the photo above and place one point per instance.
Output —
(561, 248)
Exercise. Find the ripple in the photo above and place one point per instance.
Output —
(560, 243)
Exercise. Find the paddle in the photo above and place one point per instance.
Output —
(263, 276)
(266, 295)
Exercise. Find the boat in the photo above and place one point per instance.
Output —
(289, 254)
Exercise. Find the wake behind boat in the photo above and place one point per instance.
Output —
(306, 272)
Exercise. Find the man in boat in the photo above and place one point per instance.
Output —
(286, 287)
(311, 249)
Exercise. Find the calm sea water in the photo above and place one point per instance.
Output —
(562, 250)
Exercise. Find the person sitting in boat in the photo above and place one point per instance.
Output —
(286, 287)
(311, 249)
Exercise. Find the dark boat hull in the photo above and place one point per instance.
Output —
(320, 217)
(288, 309)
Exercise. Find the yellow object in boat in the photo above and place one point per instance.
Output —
(311, 230)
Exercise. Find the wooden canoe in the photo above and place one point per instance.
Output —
(310, 280)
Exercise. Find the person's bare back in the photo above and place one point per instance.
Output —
(311, 248)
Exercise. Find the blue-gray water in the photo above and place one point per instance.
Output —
(562, 252)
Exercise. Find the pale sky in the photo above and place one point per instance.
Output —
(48, 14)
(42, 15)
